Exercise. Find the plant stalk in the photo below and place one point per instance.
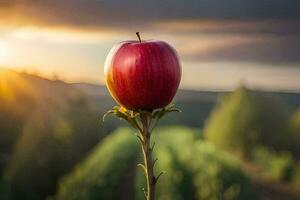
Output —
(145, 127)
(148, 160)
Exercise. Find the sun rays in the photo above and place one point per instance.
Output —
(12, 83)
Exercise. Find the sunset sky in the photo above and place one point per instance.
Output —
(222, 43)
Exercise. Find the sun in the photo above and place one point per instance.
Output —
(5, 53)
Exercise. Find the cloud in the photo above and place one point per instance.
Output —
(241, 27)
(120, 13)
(272, 50)
(258, 31)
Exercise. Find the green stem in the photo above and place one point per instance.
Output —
(145, 127)
(148, 161)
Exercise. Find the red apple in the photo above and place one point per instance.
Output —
(142, 75)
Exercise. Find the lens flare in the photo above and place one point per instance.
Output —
(4, 53)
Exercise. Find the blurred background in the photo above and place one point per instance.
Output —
(238, 135)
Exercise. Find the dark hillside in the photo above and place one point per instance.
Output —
(46, 127)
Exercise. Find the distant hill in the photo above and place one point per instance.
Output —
(196, 105)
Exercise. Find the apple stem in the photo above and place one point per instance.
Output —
(138, 35)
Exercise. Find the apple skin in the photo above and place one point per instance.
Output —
(142, 75)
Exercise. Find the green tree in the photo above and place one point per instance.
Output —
(245, 119)
(294, 127)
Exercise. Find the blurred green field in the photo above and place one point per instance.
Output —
(195, 169)
(54, 145)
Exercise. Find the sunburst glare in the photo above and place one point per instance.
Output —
(5, 53)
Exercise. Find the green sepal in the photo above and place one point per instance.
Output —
(131, 116)
(161, 112)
